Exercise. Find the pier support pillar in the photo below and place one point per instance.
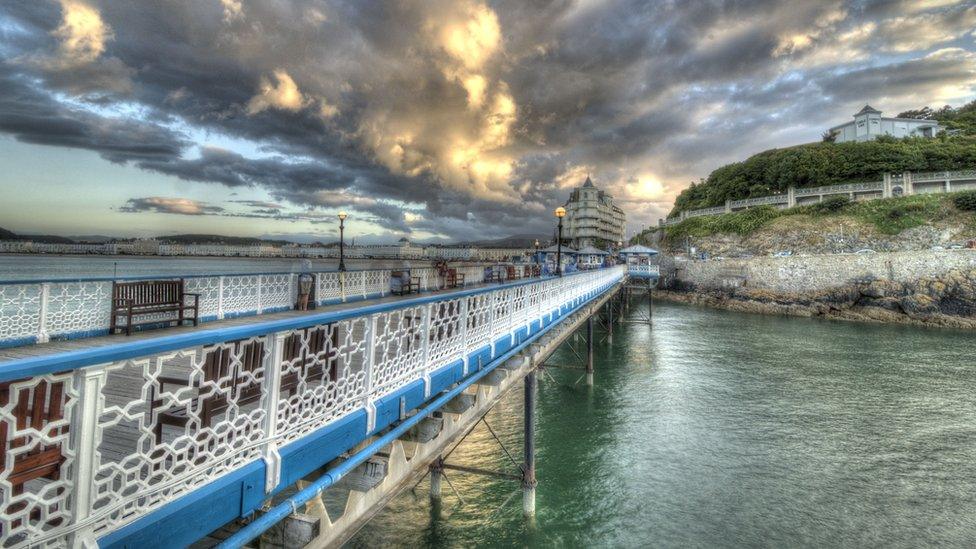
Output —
(650, 304)
(610, 321)
(528, 475)
(589, 350)
(436, 474)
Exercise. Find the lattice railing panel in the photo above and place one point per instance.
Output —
(398, 347)
(240, 294)
(377, 282)
(323, 376)
(20, 311)
(328, 287)
(277, 291)
(79, 307)
(209, 290)
(446, 343)
(479, 320)
(174, 422)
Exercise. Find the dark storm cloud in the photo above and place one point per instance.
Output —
(35, 116)
(375, 105)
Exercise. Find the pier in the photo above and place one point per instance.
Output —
(231, 430)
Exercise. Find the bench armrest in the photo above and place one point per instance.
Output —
(172, 380)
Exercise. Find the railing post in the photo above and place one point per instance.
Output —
(511, 315)
(491, 322)
(370, 364)
(342, 285)
(292, 296)
(260, 278)
(220, 297)
(272, 394)
(362, 278)
(85, 436)
(464, 333)
(43, 335)
(425, 361)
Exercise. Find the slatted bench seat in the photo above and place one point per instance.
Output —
(401, 283)
(149, 299)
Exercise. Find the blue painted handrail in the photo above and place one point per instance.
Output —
(70, 360)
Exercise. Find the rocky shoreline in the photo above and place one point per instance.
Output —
(947, 300)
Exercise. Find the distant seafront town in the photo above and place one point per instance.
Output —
(403, 249)
(592, 219)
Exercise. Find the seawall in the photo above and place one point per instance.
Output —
(933, 287)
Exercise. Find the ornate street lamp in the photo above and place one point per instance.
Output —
(342, 251)
(560, 214)
(535, 258)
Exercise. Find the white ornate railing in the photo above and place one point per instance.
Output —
(926, 177)
(707, 211)
(759, 201)
(38, 311)
(896, 179)
(644, 270)
(842, 189)
(132, 427)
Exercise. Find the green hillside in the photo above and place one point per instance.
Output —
(889, 216)
(826, 163)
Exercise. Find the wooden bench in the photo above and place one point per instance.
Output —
(401, 283)
(239, 381)
(151, 297)
(36, 407)
(452, 278)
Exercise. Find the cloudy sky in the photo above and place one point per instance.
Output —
(458, 119)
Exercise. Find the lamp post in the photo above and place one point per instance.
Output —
(342, 251)
(536, 256)
(560, 214)
(620, 246)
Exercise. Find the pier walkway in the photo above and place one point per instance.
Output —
(115, 440)
(91, 342)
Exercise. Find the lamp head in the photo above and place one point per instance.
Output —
(342, 215)
(560, 212)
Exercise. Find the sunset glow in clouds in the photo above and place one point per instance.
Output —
(433, 119)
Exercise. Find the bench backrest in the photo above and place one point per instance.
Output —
(146, 292)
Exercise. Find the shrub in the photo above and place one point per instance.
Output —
(965, 201)
(831, 205)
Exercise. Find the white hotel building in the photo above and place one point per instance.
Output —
(592, 218)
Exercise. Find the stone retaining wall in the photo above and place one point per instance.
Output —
(820, 272)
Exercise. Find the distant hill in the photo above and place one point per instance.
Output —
(514, 241)
(219, 239)
(92, 238)
(10, 235)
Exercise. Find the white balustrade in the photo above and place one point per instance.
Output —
(846, 188)
(35, 312)
(127, 436)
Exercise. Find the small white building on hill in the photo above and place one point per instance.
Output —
(868, 124)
